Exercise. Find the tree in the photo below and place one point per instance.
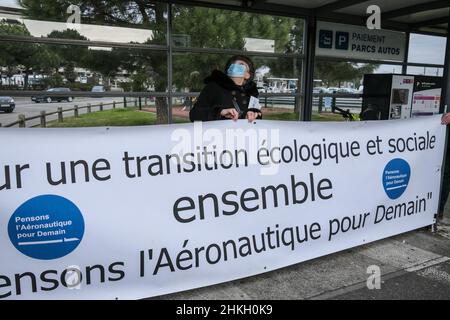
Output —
(207, 28)
(7, 59)
(135, 14)
(27, 57)
(16, 55)
(213, 28)
(48, 62)
(335, 72)
(105, 62)
(70, 55)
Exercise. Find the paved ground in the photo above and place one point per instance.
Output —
(25, 106)
(414, 265)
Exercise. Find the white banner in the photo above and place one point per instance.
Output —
(142, 211)
(355, 42)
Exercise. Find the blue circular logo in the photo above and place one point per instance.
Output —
(46, 227)
(396, 177)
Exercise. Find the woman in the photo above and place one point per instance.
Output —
(229, 95)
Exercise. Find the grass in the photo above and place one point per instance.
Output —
(134, 117)
(110, 118)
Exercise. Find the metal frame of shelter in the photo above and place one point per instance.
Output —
(328, 12)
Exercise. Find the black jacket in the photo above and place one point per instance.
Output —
(218, 94)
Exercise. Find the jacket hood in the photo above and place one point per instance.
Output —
(225, 81)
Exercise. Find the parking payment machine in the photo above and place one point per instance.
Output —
(394, 96)
(401, 97)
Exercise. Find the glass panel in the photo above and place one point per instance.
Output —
(273, 108)
(190, 69)
(428, 71)
(103, 111)
(388, 68)
(280, 76)
(114, 21)
(273, 75)
(217, 28)
(180, 109)
(28, 66)
(426, 49)
(340, 77)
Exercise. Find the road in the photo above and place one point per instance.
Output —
(25, 106)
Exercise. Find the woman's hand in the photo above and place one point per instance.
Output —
(230, 113)
(445, 118)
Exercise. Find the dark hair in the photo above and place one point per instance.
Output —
(246, 60)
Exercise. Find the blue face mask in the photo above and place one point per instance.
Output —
(236, 70)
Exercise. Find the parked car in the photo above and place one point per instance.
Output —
(317, 90)
(273, 89)
(98, 89)
(7, 104)
(333, 89)
(345, 90)
(49, 97)
(116, 89)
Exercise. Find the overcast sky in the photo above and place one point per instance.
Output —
(422, 49)
(9, 3)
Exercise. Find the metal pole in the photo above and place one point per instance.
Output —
(405, 57)
(308, 77)
(22, 121)
(60, 114)
(445, 93)
(319, 108)
(169, 61)
(444, 107)
(43, 119)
